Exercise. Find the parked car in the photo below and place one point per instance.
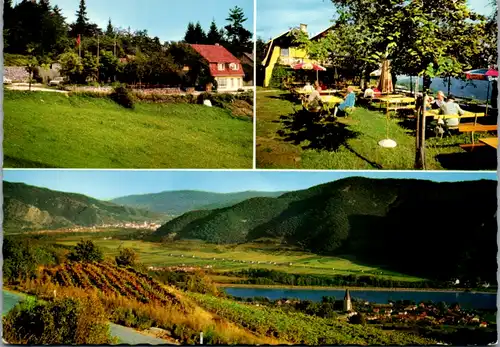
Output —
(6, 80)
(56, 81)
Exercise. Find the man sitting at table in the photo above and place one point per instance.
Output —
(313, 102)
(448, 108)
(349, 101)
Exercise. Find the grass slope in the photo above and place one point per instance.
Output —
(55, 130)
(287, 141)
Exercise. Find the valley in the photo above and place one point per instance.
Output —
(269, 269)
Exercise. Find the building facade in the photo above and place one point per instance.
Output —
(226, 69)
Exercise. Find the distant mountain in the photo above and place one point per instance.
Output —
(415, 226)
(178, 202)
(29, 208)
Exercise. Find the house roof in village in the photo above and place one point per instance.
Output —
(215, 54)
(323, 33)
(249, 55)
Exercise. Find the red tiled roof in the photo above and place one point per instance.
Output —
(215, 54)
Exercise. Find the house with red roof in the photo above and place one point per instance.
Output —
(226, 69)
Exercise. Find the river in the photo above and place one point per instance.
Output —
(476, 89)
(125, 335)
(466, 300)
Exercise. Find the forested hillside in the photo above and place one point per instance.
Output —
(421, 227)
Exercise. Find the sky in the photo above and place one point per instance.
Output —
(277, 16)
(108, 184)
(167, 19)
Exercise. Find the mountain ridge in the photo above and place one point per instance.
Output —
(28, 207)
(370, 218)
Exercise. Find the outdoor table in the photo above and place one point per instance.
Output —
(396, 103)
(490, 141)
(331, 100)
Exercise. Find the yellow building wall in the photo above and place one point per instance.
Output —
(294, 54)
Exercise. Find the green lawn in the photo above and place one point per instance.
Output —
(44, 129)
(285, 140)
(221, 257)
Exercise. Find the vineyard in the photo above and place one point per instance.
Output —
(111, 279)
(299, 328)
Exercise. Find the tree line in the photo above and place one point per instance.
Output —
(40, 33)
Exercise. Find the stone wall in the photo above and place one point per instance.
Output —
(16, 73)
(19, 73)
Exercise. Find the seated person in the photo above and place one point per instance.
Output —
(313, 102)
(439, 101)
(349, 101)
(450, 107)
(308, 87)
(323, 86)
(369, 93)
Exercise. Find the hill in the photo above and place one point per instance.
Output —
(29, 208)
(93, 131)
(181, 201)
(419, 227)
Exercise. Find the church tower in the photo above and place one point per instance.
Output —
(347, 301)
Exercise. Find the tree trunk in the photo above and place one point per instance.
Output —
(420, 133)
(494, 94)
(29, 82)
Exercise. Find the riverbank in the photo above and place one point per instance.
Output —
(278, 286)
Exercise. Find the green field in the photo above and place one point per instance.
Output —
(226, 257)
(285, 141)
(44, 129)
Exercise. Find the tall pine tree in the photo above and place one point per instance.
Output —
(214, 35)
(109, 29)
(82, 21)
(239, 38)
(195, 34)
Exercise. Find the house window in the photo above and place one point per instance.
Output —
(233, 66)
(222, 83)
(285, 52)
(220, 66)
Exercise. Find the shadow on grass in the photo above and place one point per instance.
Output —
(306, 126)
(287, 97)
(482, 158)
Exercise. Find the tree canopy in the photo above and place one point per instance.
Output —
(430, 38)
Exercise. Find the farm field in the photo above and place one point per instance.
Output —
(55, 130)
(230, 257)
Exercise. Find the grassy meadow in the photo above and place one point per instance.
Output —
(285, 141)
(51, 130)
(228, 258)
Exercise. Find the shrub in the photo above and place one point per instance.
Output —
(122, 96)
(64, 322)
(86, 251)
(127, 257)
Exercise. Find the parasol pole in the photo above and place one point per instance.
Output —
(487, 97)
(317, 75)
